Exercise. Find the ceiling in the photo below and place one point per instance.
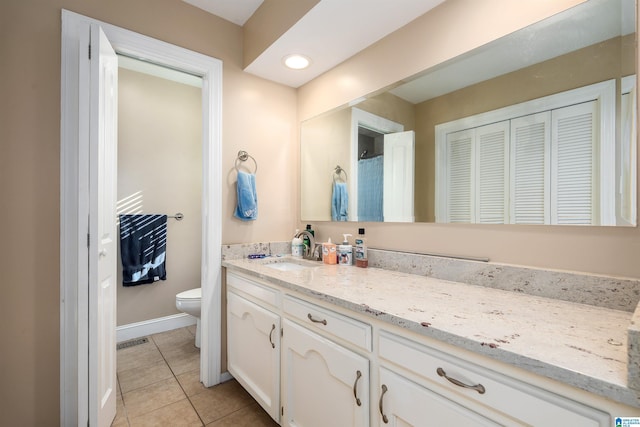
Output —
(331, 32)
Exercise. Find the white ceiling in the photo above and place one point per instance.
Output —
(331, 32)
(236, 11)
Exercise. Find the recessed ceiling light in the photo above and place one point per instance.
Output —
(296, 61)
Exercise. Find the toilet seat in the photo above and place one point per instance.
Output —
(191, 294)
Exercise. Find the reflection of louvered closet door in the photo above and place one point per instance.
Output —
(530, 144)
(478, 174)
(458, 194)
(574, 181)
(492, 173)
(553, 166)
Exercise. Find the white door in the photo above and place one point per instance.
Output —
(398, 177)
(324, 383)
(102, 227)
(253, 351)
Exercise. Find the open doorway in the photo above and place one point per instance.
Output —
(79, 199)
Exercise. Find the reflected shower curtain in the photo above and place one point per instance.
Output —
(370, 188)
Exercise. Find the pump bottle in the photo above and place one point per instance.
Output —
(345, 252)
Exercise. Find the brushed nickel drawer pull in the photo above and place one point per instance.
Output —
(384, 417)
(355, 388)
(273, 328)
(323, 321)
(478, 387)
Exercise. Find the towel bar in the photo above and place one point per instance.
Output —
(243, 156)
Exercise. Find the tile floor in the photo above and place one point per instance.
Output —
(158, 385)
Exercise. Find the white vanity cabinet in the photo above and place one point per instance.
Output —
(253, 344)
(470, 393)
(311, 363)
(324, 384)
(402, 402)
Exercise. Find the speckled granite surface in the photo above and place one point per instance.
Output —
(608, 292)
(581, 345)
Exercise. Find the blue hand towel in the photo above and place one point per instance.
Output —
(339, 202)
(247, 208)
(143, 246)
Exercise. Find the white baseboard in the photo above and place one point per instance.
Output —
(153, 326)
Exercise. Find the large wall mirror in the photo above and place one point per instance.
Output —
(538, 127)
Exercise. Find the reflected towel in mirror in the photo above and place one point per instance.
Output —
(339, 202)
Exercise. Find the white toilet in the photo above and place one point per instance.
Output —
(190, 302)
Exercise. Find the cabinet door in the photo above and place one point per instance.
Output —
(253, 351)
(324, 384)
(405, 403)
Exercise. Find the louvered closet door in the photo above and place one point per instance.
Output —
(492, 173)
(459, 173)
(529, 169)
(573, 170)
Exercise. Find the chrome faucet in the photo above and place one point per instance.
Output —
(314, 251)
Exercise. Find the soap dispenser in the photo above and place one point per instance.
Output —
(297, 247)
(345, 252)
(329, 252)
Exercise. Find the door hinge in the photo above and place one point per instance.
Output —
(281, 332)
(282, 411)
(89, 50)
(88, 240)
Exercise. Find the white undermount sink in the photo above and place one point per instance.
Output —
(291, 265)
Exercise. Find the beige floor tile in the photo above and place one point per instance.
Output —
(152, 397)
(192, 330)
(183, 362)
(190, 382)
(135, 378)
(219, 401)
(121, 414)
(251, 416)
(176, 414)
(138, 356)
(169, 340)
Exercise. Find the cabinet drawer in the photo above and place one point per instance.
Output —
(512, 397)
(254, 289)
(322, 319)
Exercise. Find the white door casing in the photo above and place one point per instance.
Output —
(361, 118)
(77, 197)
(103, 140)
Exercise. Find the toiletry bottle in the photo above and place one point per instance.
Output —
(297, 247)
(305, 239)
(345, 252)
(329, 252)
(361, 250)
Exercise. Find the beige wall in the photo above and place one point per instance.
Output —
(258, 116)
(426, 42)
(160, 167)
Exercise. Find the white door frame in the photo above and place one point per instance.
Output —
(361, 118)
(74, 202)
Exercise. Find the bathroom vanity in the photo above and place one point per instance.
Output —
(321, 345)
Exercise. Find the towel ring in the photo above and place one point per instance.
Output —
(337, 171)
(243, 156)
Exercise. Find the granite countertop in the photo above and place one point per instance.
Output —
(581, 345)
